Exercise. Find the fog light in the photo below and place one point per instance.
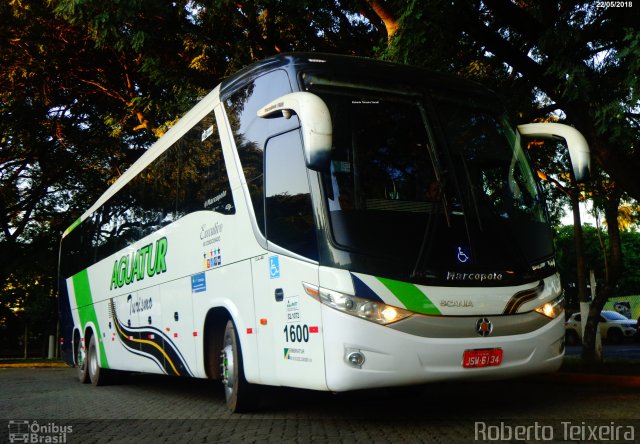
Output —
(356, 359)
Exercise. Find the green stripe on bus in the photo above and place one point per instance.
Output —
(72, 226)
(86, 309)
(411, 296)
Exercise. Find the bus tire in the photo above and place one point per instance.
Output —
(98, 376)
(81, 364)
(239, 394)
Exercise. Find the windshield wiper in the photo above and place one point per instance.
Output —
(441, 175)
(427, 238)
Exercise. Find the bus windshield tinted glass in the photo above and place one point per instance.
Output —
(493, 161)
(430, 198)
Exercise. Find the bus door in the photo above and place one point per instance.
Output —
(288, 320)
(177, 323)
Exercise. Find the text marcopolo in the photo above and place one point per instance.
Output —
(481, 277)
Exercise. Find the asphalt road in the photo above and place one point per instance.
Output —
(50, 403)
(628, 350)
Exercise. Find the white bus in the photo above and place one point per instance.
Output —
(322, 222)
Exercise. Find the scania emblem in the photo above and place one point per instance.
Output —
(484, 327)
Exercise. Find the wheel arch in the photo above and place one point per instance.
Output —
(214, 326)
(89, 332)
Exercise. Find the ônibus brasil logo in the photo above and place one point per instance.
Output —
(148, 260)
(31, 432)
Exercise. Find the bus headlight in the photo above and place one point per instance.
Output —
(373, 311)
(552, 309)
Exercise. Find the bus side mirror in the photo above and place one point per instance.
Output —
(577, 144)
(315, 121)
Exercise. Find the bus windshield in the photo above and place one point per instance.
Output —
(440, 197)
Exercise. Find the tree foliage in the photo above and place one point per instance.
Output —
(567, 56)
(86, 86)
(596, 246)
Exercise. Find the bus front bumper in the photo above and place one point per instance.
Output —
(360, 354)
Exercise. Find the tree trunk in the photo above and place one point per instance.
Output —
(608, 288)
(390, 23)
(581, 269)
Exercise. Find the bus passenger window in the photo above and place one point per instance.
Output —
(289, 214)
(250, 132)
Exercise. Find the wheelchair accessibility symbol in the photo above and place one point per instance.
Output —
(274, 267)
(462, 255)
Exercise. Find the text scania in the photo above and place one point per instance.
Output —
(148, 260)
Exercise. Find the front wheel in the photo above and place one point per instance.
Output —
(239, 394)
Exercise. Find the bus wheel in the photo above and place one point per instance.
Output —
(81, 364)
(97, 375)
(239, 394)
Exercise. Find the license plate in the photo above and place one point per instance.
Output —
(486, 357)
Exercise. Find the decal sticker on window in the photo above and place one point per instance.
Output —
(463, 254)
(207, 133)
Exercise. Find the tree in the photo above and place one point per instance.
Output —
(594, 255)
(87, 86)
(591, 78)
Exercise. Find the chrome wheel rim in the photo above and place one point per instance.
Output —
(228, 370)
(93, 362)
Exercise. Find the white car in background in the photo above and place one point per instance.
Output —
(613, 328)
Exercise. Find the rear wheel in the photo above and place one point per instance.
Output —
(239, 394)
(81, 363)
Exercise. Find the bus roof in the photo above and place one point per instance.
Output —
(351, 65)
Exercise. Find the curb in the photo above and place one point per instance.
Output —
(33, 365)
